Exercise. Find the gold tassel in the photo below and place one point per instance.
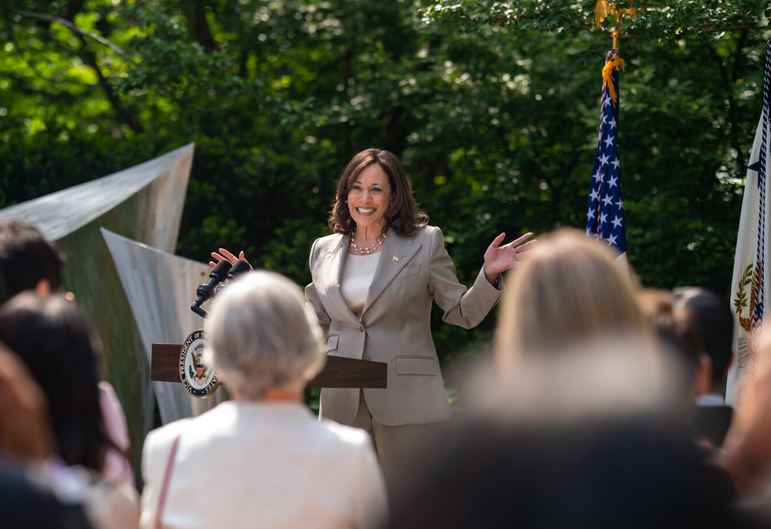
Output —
(607, 76)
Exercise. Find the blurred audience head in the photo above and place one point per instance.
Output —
(632, 472)
(569, 288)
(676, 330)
(583, 437)
(714, 323)
(607, 376)
(27, 260)
(262, 337)
(53, 340)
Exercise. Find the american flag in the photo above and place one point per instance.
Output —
(605, 215)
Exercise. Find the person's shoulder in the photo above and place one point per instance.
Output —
(327, 242)
(426, 233)
(431, 236)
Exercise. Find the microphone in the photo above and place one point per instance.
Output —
(239, 268)
(205, 290)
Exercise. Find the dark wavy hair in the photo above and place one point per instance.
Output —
(403, 214)
(51, 337)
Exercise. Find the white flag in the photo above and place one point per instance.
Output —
(749, 289)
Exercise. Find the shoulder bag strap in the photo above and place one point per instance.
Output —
(165, 483)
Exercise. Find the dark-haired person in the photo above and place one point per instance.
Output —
(675, 327)
(374, 281)
(51, 337)
(35, 491)
(714, 323)
(28, 261)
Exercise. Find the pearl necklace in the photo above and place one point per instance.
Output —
(355, 249)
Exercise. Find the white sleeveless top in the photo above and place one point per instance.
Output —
(357, 277)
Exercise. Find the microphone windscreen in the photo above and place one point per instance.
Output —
(221, 269)
(239, 268)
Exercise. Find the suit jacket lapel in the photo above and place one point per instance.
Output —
(330, 270)
(396, 253)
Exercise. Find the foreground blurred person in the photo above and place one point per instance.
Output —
(747, 447)
(679, 334)
(675, 328)
(262, 459)
(576, 428)
(52, 338)
(35, 491)
(715, 326)
(575, 438)
(31, 263)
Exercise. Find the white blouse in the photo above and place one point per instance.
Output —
(357, 277)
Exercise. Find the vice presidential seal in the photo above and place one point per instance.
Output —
(198, 378)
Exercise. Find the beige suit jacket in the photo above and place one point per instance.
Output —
(255, 465)
(395, 323)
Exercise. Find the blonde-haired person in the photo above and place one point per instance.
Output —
(262, 459)
(569, 289)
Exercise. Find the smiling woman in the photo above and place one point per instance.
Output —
(374, 281)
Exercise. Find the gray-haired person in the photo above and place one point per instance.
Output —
(262, 459)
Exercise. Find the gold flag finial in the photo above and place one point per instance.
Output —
(605, 8)
(601, 12)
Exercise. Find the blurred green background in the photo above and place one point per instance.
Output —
(492, 106)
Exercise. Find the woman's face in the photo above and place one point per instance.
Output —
(369, 197)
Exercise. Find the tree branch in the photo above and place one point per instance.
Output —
(198, 25)
(125, 115)
(89, 57)
(75, 29)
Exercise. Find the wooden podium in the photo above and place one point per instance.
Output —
(338, 372)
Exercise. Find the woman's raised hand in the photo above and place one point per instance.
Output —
(499, 259)
(224, 253)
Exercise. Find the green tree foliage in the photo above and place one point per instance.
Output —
(493, 106)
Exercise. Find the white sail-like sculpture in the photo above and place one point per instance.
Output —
(160, 287)
(143, 203)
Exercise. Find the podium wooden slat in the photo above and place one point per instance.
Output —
(165, 362)
(342, 372)
(338, 372)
